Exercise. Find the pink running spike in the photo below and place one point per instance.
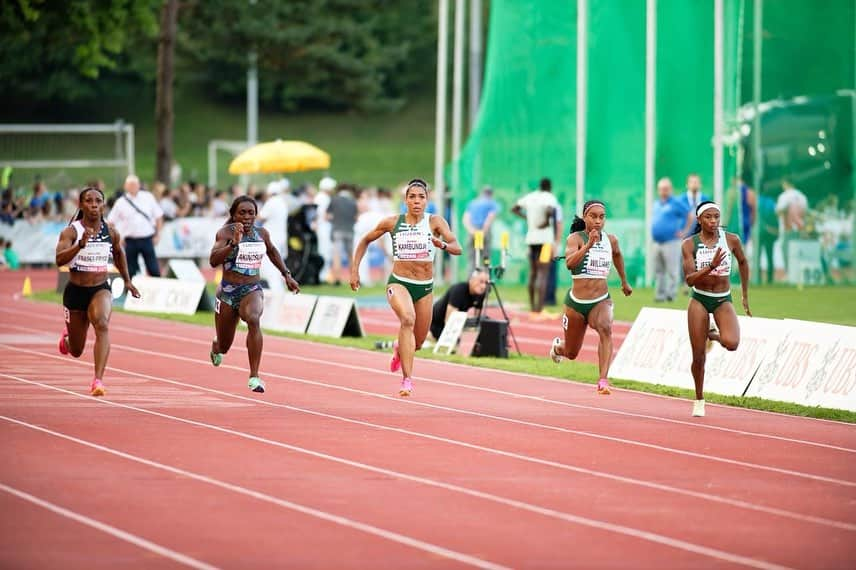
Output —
(406, 388)
(63, 341)
(395, 361)
(603, 387)
(97, 388)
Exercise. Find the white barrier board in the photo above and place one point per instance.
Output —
(813, 364)
(161, 295)
(288, 312)
(657, 350)
(335, 317)
(448, 341)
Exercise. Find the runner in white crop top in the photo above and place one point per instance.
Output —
(416, 237)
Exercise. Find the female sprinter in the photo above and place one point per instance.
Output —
(416, 235)
(240, 247)
(707, 265)
(86, 246)
(589, 255)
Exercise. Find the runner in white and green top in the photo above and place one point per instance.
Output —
(589, 255)
(416, 237)
(707, 266)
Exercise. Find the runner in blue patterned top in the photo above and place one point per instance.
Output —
(240, 247)
(87, 246)
(416, 237)
(590, 253)
(707, 266)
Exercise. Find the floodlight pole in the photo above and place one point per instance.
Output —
(757, 159)
(252, 103)
(475, 59)
(440, 124)
(582, 99)
(650, 129)
(718, 128)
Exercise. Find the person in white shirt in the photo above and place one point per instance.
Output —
(538, 209)
(138, 218)
(791, 207)
(274, 217)
(323, 227)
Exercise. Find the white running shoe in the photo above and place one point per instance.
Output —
(698, 408)
(557, 358)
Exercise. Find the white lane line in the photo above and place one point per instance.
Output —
(537, 425)
(584, 521)
(518, 375)
(104, 527)
(323, 515)
(520, 457)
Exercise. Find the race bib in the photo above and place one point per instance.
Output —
(94, 257)
(704, 255)
(412, 245)
(599, 261)
(250, 254)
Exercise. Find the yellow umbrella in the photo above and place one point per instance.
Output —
(280, 156)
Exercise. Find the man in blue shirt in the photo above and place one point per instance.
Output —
(668, 219)
(479, 216)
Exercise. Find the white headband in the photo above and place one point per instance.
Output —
(707, 207)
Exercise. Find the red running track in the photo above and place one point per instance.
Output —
(180, 465)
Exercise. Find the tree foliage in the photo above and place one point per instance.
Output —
(58, 50)
(334, 54)
(312, 54)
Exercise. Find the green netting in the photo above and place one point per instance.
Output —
(526, 127)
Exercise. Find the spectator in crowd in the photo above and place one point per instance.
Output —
(40, 202)
(138, 218)
(461, 296)
(667, 223)
(769, 233)
(166, 201)
(10, 256)
(479, 217)
(273, 215)
(690, 201)
(9, 210)
(552, 272)
(748, 209)
(342, 214)
(323, 228)
(219, 205)
(4, 265)
(538, 209)
(791, 207)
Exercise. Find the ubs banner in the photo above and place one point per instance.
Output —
(813, 364)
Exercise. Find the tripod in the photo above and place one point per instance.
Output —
(492, 286)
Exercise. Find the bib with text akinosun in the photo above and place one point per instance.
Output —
(250, 254)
